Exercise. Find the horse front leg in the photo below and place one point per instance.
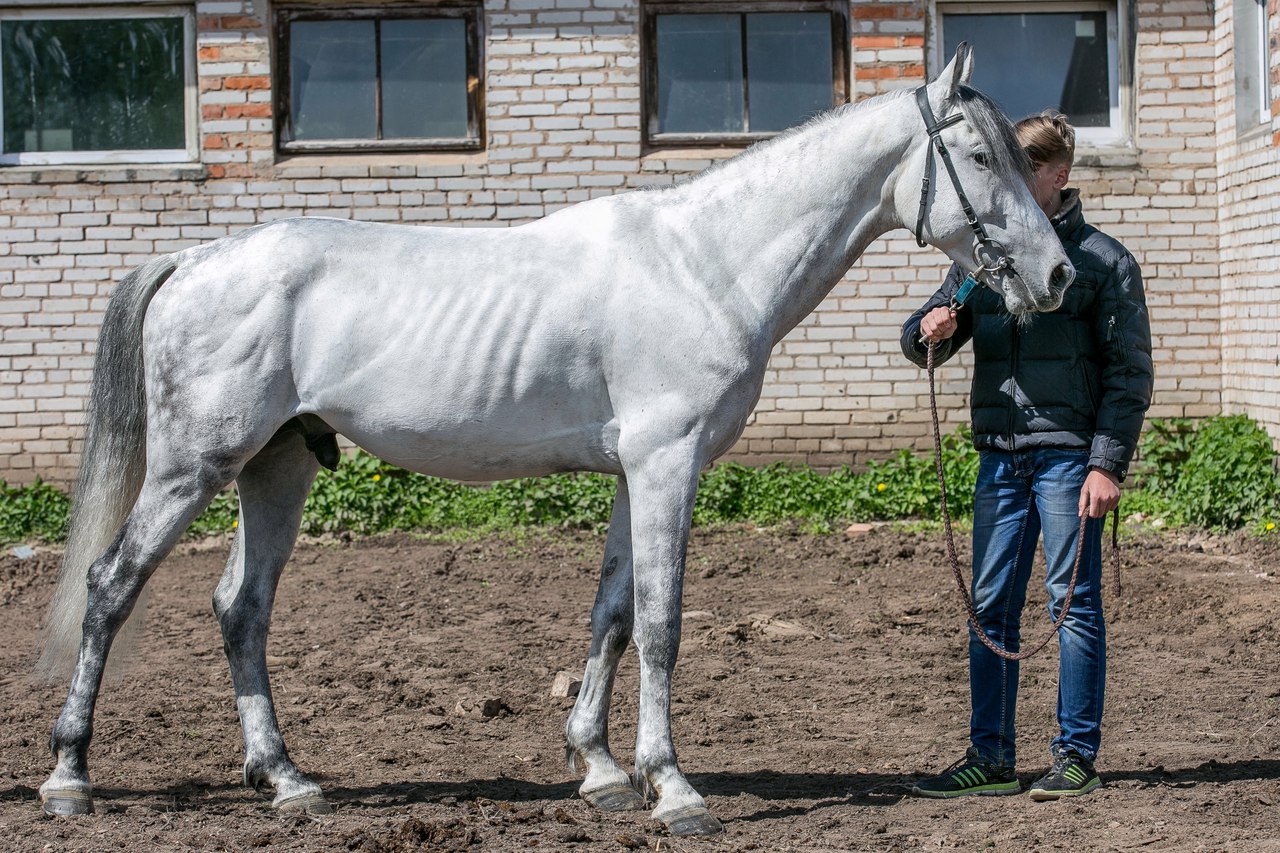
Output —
(273, 488)
(606, 786)
(663, 485)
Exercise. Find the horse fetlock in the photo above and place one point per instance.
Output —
(277, 774)
(683, 810)
(648, 790)
(574, 762)
(606, 786)
(609, 788)
(294, 792)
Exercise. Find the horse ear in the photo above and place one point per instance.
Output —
(961, 68)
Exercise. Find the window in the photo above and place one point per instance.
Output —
(719, 74)
(101, 86)
(379, 79)
(1253, 104)
(1032, 56)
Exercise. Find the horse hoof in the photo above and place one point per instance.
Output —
(692, 821)
(66, 802)
(312, 802)
(615, 798)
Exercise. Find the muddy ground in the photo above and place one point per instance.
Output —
(819, 677)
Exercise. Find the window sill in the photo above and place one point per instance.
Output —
(286, 162)
(103, 174)
(1250, 136)
(1106, 157)
(723, 152)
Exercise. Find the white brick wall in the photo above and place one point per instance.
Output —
(562, 95)
(1249, 221)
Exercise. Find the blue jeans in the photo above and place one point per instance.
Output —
(1019, 496)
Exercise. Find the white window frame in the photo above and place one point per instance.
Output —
(1257, 54)
(187, 154)
(1119, 132)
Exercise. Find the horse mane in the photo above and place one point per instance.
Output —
(1008, 160)
(764, 145)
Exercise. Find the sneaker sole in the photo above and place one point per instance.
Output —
(1003, 790)
(1041, 795)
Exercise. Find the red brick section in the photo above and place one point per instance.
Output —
(245, 109)
(873, 14)
(1273, 44)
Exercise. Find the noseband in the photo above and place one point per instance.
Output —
(988, 254)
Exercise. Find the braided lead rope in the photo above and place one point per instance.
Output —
(955, 562)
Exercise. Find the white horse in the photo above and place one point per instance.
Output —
(627, 335)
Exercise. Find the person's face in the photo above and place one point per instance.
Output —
(1047, 182)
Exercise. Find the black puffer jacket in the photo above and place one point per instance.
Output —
(1078, 377)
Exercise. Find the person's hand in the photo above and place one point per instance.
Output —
(1101, 493)
(939, 324)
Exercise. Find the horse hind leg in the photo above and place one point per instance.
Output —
(167, 503)
(273, 488)
(607, 786)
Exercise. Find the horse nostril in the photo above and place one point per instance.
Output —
(1063, 275)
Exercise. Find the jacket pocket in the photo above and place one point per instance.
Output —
(1116, 339)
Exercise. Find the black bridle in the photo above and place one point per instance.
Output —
(988, 254)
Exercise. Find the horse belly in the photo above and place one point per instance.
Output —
(471, 405)
(513, 441)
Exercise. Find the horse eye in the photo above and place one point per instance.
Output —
(980, 157)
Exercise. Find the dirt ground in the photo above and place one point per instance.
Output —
(819, 677)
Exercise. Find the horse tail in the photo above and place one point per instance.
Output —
(112, 465)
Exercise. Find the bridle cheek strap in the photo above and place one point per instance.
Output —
(934, 127)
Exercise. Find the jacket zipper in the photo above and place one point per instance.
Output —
(1013, 381)
(1121, 344)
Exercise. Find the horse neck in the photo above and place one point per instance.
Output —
(793, 215)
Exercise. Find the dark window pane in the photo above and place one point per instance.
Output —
(424, 78)
(101, 85)
(332, 70)
(1028, 62)
(699, 74)
(788, 68)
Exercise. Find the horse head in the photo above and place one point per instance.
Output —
(965, 187)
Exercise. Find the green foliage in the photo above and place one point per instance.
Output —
(1220, 474)
(36, 512)
(1164, 449)
(220, 516)
(1229, 479)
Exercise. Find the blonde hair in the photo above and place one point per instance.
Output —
(1047, 138)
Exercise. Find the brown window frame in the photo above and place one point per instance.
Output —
(840, 63)
(473, 15)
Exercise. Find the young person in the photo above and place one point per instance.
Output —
(1058, 400)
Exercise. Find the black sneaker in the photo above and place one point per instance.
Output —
(970, 775)
(1070, 776)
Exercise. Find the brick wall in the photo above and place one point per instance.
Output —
(1249, 220)
(562, 93)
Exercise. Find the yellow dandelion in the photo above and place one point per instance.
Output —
(1271, 525)
(235, 523)
(880, 487)
(377, 477)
